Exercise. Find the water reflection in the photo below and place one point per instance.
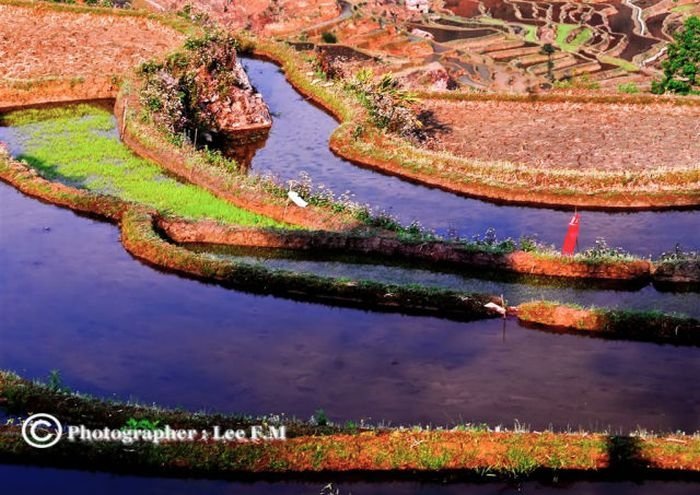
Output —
(39, 481)
(515, 289)
(298, 142)
(72, 299)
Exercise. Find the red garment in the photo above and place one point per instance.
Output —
(571, 236)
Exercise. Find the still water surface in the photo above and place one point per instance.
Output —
(72, 299)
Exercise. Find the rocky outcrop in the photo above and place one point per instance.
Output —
(238, 115)
(203, 93)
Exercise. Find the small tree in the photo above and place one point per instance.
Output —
(548, 49)
(329, 37)
(682, 67)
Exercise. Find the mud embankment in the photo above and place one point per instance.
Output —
(618, 324)
(379, 152)
(311, 451)
(336, 232)
(33, 93)
(140, 238)
(151, 145)
(445, 253)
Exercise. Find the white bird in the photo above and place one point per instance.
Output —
(499, 309)
(296, 199)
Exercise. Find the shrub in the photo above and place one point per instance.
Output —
(333, 67)
(390, 106)
(602, 252)
(678, 255)
(629, 88)
(581, 82)
(490, 242)
(682, 66)
(176, 92)
(320, 418)
(329, 37)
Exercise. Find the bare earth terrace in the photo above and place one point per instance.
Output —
(40, 43)
(572, 135)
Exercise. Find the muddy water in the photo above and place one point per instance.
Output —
(39, 481)
(442, 35)
(655, 25)
(498, 9)
(72, 299)
(299, 142)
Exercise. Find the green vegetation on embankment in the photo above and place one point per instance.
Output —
(320, 447)
(78, 146)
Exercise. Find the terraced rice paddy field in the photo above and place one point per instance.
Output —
(572, 135)
(356, 305)
(497, 44)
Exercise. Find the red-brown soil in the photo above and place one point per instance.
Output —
(654, 327)
(382, 245)
(572, 135)
(561, 316)
(39, 42)
(264, 16)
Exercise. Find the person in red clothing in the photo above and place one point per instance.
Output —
(571, 239)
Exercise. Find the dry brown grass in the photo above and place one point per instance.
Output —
(582, 136)
(41, 41)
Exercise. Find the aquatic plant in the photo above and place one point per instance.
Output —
(601, 251)
(55, 382)
(78, 146)
(320, 418)
(679, 255)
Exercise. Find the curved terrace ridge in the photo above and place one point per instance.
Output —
(501, 182)
(146, 235)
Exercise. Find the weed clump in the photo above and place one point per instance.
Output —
(389, 106)
(678, 255)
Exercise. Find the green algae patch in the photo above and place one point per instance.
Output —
(79, 146)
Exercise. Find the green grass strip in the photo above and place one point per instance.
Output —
(78, 145)
(624, 64)
(563, 31)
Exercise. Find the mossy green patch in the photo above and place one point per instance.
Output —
(624, 64)
(563, 32)
(78, 145)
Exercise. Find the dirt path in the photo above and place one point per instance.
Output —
(639, 20)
